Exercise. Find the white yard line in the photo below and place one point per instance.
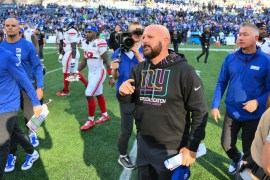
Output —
(126, 174)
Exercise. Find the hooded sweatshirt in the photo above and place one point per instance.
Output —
(164, 95)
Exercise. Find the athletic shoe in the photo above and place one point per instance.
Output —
(234, 164)
(126, 163)
(30, 159)
(10, 166)
(102, 119)
(63, 93)
(88, 124)
(197, 59)
(34, 139)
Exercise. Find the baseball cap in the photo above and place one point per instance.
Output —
(260, 25)
(181, 173)
(92, 28)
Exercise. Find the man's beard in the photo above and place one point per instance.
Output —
(154, 52)
(11, 35)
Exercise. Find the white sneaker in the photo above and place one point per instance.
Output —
(30, 159)
(10, 166)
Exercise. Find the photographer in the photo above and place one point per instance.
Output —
(113, 44)
(123, 60)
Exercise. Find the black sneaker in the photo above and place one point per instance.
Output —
(126, 163)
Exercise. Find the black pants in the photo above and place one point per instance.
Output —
(175, 47)
(61, 46)
(205, 50)
(150, 160)
(127, 115)
(27, 107)
(230, 131)
(40, 53)
(10, 130)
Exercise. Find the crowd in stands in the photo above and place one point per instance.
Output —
(175, 15)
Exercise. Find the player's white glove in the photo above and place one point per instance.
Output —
(72, 63)
(60, 57)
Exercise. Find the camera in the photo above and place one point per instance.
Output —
(125, 39)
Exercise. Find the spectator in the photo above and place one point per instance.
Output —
(162, 107)
(246, 72)
(121, 66)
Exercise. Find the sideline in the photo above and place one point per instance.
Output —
(186, 49)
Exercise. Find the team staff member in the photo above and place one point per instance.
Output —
(27, 55)
(95, 54)
(164, 88)
(12, 75)
(246, 72)
(121, 67)
(41, 43)
(205, 43)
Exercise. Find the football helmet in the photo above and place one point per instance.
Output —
(68, 23)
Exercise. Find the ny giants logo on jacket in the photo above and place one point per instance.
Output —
(154, 86)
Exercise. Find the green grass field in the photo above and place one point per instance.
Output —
(70, 154)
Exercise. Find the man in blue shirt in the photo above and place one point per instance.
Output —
(246, 72)
(12, 75)
(121, 67)
(27, 55)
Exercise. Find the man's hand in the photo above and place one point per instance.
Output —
(251, 105)
(126, 87)
(188, 157)
(111, 82)
(72, 63)
(39, 92)
(37, 110)
(115, 64)
(215, 114)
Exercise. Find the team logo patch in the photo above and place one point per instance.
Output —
(18, 50)
(257, 68)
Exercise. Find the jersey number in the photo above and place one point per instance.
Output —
(88, 54)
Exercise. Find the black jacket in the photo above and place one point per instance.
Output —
(164, 96)
(205, 38)
(113, 44)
